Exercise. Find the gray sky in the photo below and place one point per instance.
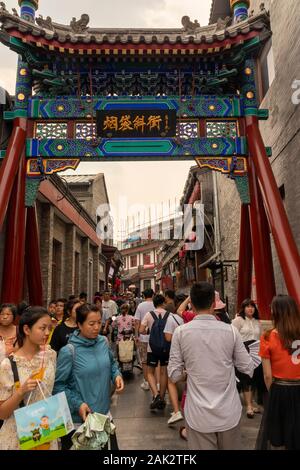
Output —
(143, 182)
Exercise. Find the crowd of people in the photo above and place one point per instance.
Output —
(187, 347)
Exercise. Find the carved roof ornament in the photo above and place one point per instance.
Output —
(223, 23)
(188, 25)
(80, 26)
(262, 7)
(15, 12)
(45, 23)
(80, 32)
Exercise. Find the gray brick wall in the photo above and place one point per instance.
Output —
(78, 249)
(95, 254)
(91, 196)
(51, 227)
(281, 131)
(99, 194)
(85, 249)
(59, 234)
(69, 274)
(78, 243)
(230, 207)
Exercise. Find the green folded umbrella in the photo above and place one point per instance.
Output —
(94, 433)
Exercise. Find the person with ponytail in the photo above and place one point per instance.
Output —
(68, 325)
(280, 353)
(33, 361)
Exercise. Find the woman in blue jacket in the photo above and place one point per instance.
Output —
(85, 370)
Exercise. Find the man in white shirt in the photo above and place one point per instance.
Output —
(209, 350)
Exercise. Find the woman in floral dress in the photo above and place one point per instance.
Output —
(34, 361)
(124, 323)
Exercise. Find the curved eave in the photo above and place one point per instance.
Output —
(187, 48)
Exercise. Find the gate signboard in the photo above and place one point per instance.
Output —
(136, 123)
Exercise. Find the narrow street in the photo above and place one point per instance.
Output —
(138, 428)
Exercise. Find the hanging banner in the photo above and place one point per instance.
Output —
(136, 123)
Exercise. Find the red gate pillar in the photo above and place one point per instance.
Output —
(10, 166)
(33, 263)
(261, 246)
(245, 257)
(13, 272)
(283, 238)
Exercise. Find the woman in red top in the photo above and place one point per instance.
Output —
(280, 353)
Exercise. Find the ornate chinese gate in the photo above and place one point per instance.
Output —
(86, 94)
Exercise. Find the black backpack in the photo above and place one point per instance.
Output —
(158, 344)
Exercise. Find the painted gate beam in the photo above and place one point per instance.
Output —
(205, 106)
(105, 149)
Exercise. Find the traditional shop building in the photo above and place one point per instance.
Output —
(181, 264)
(140, 265)
(278, 70)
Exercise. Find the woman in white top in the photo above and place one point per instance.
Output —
(33, 361)
(247, 323)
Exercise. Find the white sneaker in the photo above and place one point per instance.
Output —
(145, 385)
(175, 417)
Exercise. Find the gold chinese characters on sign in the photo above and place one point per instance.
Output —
(147, 123)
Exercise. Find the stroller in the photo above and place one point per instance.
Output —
(126, 352)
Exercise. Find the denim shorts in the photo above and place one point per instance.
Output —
(153, 360)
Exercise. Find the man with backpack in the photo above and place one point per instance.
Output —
(158, 350)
